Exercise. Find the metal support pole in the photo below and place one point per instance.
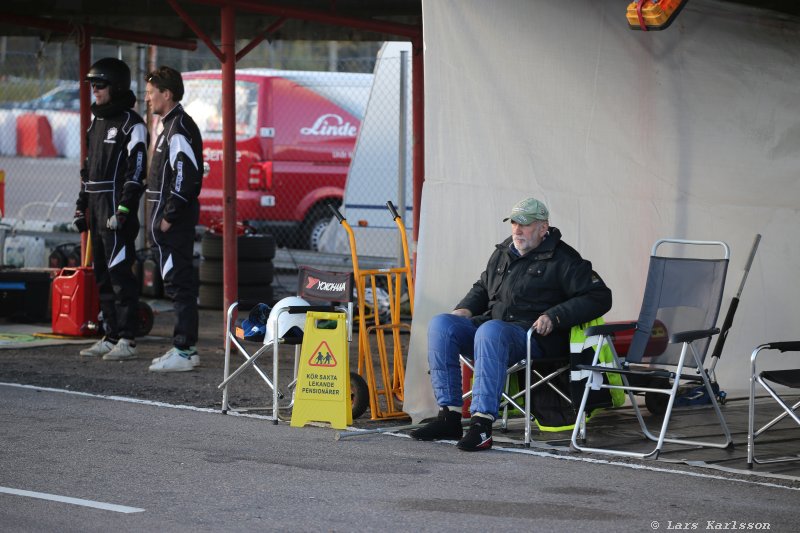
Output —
(84, 62)
(229, 252)
(141, 66)
(402, 148)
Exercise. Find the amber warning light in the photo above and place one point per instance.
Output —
(653, 14)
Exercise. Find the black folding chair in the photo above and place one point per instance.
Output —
(767, 379)
(553, 375)
(682, 294)
(555, 368)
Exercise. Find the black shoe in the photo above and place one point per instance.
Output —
(447, 426)
(478, 437)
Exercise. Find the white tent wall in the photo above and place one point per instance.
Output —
(628, 137)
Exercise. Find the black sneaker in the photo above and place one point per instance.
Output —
(447, 426)
(478, 437)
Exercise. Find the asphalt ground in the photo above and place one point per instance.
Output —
(79, 435)
(74, 462)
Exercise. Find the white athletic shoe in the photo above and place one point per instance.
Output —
(172, 361)
(98, 349)
(194, 358)
(124, 350)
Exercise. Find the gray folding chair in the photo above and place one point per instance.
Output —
(767, 379)
(682, 294)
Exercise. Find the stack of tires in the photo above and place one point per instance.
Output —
(67, 254)
(254, 269)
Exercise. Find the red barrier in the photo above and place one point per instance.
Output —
(34, 136)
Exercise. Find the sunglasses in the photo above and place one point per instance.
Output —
(99, 85)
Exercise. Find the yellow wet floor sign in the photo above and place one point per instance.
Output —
(323, 384)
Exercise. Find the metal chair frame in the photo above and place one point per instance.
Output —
(232, 340)
(687, 339)
(763, 378)
(542, 380)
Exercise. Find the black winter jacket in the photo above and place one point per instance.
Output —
(553, 279)
(176, 171)
(114, 170)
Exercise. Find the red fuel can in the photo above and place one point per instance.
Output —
(656, 345)
(75, 302)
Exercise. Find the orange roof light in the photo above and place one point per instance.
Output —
(653, 14)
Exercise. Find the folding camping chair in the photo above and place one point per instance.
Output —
(682, 294)
(558, 367)
(556, 373)
(326, 291)
(786, 378)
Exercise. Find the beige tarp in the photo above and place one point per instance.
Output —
(692, 132)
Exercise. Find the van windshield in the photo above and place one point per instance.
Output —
(202, 100)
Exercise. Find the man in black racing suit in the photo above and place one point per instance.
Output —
(111, 186)
(173, 185)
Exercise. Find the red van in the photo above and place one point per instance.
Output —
(295, 136)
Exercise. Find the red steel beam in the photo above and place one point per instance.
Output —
(258, 40)
(229, 251)
(403, 30)
(184, 16)
(418, 136)
(68, 27)
(84, 61)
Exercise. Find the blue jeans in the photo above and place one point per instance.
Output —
(494, 346)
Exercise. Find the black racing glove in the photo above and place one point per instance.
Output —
(80, 221)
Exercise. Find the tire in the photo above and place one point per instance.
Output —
(248, 272)
(211, 296)
(656, 402)
(144, 319)
(359, 394)
(314, 226)
(249, 247)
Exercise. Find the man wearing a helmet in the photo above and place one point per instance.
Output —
(173, 187)
(108, 203)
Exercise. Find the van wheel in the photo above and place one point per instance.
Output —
(315, 225)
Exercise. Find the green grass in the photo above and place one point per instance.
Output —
(20, 89)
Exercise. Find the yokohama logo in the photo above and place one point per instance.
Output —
(324, 285)
(331, 125)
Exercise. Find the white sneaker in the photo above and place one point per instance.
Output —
(194, 358)
(98, 349)
(172, 361)
(124, 350)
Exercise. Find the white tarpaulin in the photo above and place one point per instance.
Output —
(628, 137)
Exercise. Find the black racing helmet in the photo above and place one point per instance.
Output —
(112, 71)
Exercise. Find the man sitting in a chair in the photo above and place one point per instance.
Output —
(533, 277)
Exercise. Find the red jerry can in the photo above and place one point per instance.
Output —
(76, 303)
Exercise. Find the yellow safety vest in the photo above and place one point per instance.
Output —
(578, 341)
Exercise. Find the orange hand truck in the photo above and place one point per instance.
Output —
(383, 395)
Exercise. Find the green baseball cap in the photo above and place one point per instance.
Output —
(527, 211)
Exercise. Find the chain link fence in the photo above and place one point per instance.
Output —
(300, 107)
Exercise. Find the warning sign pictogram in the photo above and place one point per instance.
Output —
(322, 356)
